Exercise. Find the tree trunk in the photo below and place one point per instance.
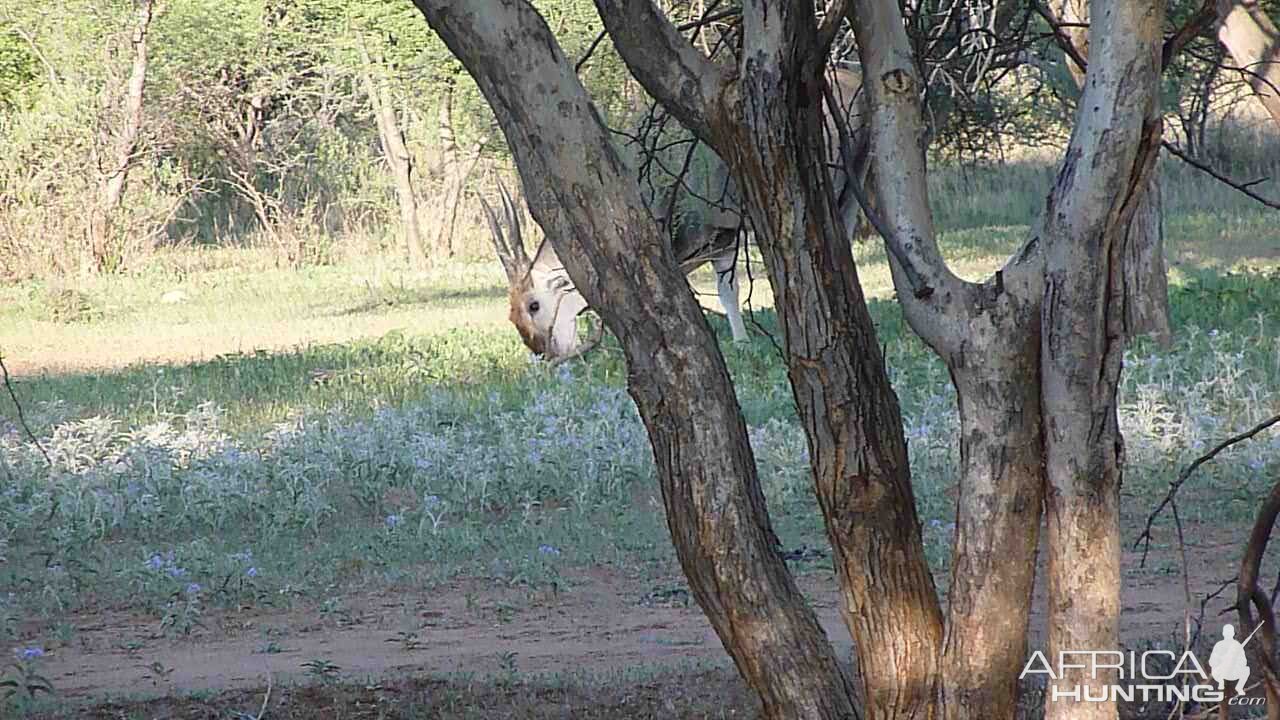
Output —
(841, 389)
(1254, 43)
(1034, 352)
(584, 197)
(998, 515)
(988, 334)
(1146, 297)
(455, 169)
(111, 181)
(1097, 194)
(396, 153)
(1146, 279)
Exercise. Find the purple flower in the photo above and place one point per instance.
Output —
(548, 550)
(393, 521)
(252, 572)
(193, 588)
(30, 653)
(176, 572)
(155, 562)
(431, 501)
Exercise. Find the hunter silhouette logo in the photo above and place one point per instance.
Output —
(1228, 660)
(1153, 675)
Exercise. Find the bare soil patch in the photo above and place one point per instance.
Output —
(393, 649)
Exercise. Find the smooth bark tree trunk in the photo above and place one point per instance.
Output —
(111, 182)
(1083, 338)
(396, 153)
(999, 509)
(1145, 276)
(1254, 43)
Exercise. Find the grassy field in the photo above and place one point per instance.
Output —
(286, 450)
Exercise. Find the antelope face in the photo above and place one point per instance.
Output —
(544, 303)
(545, 308)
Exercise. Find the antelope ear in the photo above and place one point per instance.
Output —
(546, 260)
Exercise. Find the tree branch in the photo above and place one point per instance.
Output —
(1196, 25)
(669, 67)
(1249, 596)
(852, 158)
(1145, 538)
(1061, 38)
(933, 298)
(22, 419)
(1245, 188)
(830, 27)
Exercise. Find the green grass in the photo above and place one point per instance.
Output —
(421, 444)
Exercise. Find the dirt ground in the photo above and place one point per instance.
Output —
(604, 622)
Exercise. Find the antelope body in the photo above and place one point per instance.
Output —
(544, 305)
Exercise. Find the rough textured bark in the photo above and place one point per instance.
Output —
(1254, 43)
(1041, 339)
(1108, 163)
(581, 193)
(771, 132)
(1250, 597)
(396, 153)
(988, 335)
(1146, 279)
(115, 172)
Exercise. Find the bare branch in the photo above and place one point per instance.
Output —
(1063, 39)
(22, 419)
(1145, 538)
(54, 80)
(1245, 188)
(830, 27)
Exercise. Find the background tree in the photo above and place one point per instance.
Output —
(119, 140)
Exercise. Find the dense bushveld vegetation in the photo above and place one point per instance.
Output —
(262, 123)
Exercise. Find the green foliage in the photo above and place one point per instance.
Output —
(18, 72)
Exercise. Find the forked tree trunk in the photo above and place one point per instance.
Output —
(1025, 360)
(112, 177)
(988, 336)
(396, 153)
(1254, 43)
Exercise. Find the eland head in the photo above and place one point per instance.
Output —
(544, 303)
